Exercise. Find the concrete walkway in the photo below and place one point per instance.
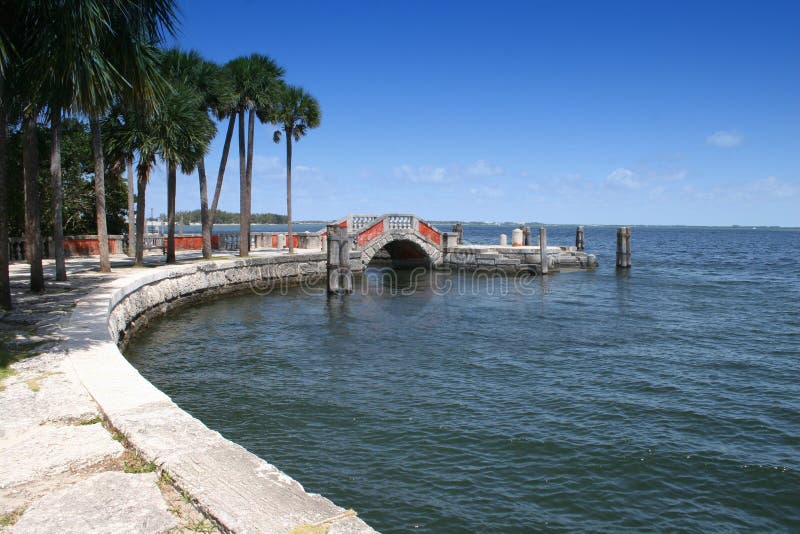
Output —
(62, 468)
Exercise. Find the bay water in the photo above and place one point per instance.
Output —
(666, 397)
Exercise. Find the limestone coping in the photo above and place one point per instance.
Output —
(239, 490)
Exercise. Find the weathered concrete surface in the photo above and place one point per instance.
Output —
(111, 502)
(236, 488)
(47, 450)
(43, 390)
(515, 258)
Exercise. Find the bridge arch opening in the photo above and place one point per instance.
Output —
(400, 254)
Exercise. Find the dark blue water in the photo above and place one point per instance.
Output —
(664, 398)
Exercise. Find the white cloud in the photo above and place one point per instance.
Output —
(483, 167)
(486, 192)
(424, 174)
(433, 174)
(772, 186)
(725, 139)
(622, 177)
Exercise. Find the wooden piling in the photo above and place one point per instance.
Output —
(623, 247)
(579, 238)
(459, 229)
(543, 249)
(526, 235)
(340, 277)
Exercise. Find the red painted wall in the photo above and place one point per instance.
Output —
(370, 233)
(87, 247)
(430, 233)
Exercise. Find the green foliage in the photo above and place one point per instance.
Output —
(295, 111)
(77, 182)
(227, 217)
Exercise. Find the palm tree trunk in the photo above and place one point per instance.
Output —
(204, 221)
(172, 173)
(244, 223)
(250, 130)
(5, 286)
(222, 163)
(141, 225)
(100, 192)
(33, 237)
(289, 188)
(58, 194)
(131, 225)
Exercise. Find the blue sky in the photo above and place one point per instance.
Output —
(560, 112)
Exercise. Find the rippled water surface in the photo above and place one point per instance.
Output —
(664, 398)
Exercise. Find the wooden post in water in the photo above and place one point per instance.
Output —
(340, 278)
(623, 247)
(579, 238)
(543, 249)
(459, 229)
(526, 235)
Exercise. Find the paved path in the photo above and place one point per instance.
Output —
(62, 469)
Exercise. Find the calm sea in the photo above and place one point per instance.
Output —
(664, 398)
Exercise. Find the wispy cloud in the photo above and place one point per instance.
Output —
(625, 178)
(433, 174)
(725, 139)
(424, 174)
(486, 192)
(484, 168)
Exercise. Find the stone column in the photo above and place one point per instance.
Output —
(543, 249)
(340, 277)
(623, 247)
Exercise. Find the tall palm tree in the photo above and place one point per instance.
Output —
(5, 285)
(222, 107)
(256, 81)
(215, 95)
(192, 79)
(178, 132)
(295, 113)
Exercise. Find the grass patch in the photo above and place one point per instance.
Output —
(6, 520)
(200, 526)
(5, 372)
(92, 421)
(133, 463)
(35, 383)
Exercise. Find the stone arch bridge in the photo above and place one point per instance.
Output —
(401, 240)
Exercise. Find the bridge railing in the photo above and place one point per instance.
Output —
(394, 222)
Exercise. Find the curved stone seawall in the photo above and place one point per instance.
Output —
(242, 492)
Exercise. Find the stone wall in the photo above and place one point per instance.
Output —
(151, 296)
(513, 259)
(240, 491)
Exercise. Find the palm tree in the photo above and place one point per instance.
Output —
(295, 113)
(178, 132)
(255, 81)
(5, 285)
(214, 94)
(196, 77)
(19, 94)
(222, 107)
